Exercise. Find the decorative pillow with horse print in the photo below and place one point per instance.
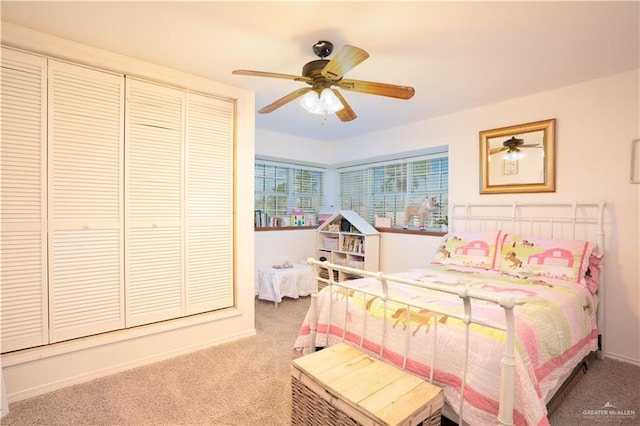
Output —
(592, 276)
(472, 249)
(566, 260)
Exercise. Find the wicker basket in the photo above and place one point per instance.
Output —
(309, 409)
(317, 401)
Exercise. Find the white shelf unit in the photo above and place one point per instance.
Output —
(347, 239)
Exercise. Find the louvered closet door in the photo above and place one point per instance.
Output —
(154, 176)
(86, 277)
(23, 279)
(209, 192)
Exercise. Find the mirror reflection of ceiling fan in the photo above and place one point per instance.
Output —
(512, 148)
(322, 75)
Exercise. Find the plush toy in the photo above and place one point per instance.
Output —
(420, 210)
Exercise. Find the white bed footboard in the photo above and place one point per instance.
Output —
(466, 294)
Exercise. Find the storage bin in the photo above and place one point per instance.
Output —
(330, 243)
(341, 385)
(358, 264)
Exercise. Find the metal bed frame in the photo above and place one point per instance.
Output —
(551, 220)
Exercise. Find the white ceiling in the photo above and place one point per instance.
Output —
(457, 55)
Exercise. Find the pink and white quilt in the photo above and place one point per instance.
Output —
(555, 330)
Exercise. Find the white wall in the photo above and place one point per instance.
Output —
(272, 144)
(274, 247)
(596, 122)
(400, 252)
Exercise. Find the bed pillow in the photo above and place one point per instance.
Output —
(561, 259)
(473, 249)
(592, 276)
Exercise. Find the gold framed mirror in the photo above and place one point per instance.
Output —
(518, 158)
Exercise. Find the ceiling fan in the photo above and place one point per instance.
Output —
(512, 146)
(321, 74)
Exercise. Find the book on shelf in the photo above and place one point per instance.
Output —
(257, 218)
(263, 220)
(353, 244)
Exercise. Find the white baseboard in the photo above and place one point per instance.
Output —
(635, 362)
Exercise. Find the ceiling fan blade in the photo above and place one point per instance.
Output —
(531, 145)
(380, 89)
(346, 58)
(272, 75)
(497, 150)
(346, 113)
(284, 100)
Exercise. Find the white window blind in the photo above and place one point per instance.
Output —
(281, 188)
(429, 178)
(353, 193)
(23, 223)
(86, 286)
(386, 188)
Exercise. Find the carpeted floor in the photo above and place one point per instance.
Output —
(247, 383)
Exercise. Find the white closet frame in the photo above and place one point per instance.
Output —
(136, 228)
(35, 371)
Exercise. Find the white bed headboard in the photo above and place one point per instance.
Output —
(582, 221)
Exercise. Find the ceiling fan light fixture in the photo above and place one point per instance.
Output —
(329, 101)
(310, 102)
(513, 154)
(326, 103)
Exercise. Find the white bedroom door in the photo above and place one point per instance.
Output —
(23, 223)
(85, 144)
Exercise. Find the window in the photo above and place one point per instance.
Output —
(282, 188)
(387, 189)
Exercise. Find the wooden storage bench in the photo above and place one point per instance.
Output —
(341, 385)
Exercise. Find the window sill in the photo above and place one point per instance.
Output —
(428, 232)
(282, 228)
